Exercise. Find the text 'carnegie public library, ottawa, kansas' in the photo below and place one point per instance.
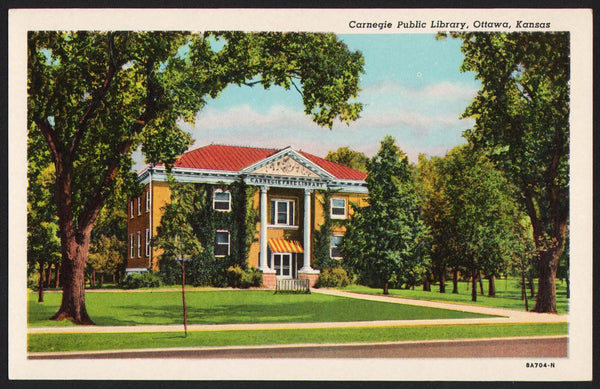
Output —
(289, 202)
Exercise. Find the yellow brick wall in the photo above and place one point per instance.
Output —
(317, 216)
(138, 223)
(318, 211)
(161, 195)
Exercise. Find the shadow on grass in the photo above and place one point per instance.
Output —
(238, 307)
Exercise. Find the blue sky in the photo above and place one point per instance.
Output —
(412, 89)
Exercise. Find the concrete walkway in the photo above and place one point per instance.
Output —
(507, 316)
(514, 315)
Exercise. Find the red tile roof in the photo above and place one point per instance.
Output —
(235, 158)
(219, 157)
(338, 171)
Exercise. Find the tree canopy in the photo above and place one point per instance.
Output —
(384, 240)
(349, 158)
(521, 118)
(94, 97)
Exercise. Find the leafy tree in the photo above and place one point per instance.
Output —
(521, 262)
(108, 248)
(481, 210)
(43, 245)
(94, 97)
(350, 158)
(192, 204)
(107, 254)
(176, 235)
(434, 212)
(522, 123)
(384, 240)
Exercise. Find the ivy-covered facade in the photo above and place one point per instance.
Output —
(280, 211)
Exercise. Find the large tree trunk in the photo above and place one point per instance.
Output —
(75, 255)
(474, 286)
(549, 251)
(385, 287)
(492, 286)
(546, 297)
(41, 284)
(454, 281)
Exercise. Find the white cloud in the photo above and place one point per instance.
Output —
(416, 131)
(244, 115)
(443, 90)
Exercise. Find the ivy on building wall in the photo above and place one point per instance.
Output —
(194, 203)
(321, 253)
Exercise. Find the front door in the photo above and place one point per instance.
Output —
(282, 264)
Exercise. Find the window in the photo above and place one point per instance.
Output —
(147, 242)
(338, 208)
(334, 247)
(222, 200)
(148, 200)
(139, 205)
(221, 243)
(131, 205)
(282, 212)
(282, 264)
(139, 244)
(131, 246)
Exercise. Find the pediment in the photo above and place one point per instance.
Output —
(286, 165)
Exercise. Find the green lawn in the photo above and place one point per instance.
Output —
(508, 294)
(229, 306)
(116, 341)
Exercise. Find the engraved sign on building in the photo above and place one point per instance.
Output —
(286, 166)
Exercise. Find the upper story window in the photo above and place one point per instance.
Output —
(282, 212)
(221, 243)
(131, 207)
(222, 200)
(148, 197)
(338, 208)
(139, 205)
(334, 248)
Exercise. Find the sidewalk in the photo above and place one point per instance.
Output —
(507, 316)
(517, 316)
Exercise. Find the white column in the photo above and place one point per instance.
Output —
(262, 263)
(307, 228)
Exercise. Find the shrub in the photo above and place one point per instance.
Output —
(251, 277)
(33, 281)
(234, 276)
(240, 278)
(143, 280)
(332, 277)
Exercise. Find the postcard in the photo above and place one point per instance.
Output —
(308, 150)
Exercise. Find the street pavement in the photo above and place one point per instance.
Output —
(535, 346)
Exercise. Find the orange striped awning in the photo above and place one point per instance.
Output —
(285, 246)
